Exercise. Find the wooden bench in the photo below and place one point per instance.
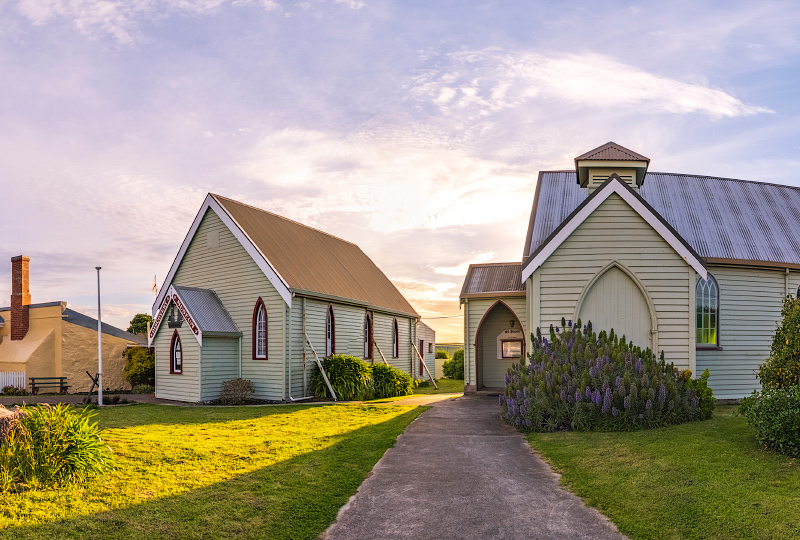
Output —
(37, 383)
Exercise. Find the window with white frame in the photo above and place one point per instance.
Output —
(368, 336)
(330, 333)
(707, 312)
(395, 340)
(260, 331)
(176, 354)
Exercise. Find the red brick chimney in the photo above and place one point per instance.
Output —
(20, 297)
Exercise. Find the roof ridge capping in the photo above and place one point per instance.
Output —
(611, 151)
(218, 197)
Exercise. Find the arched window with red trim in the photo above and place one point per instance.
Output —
(368, 336)
(330, 332)
(395, 340)
(260, 331)
(175, 354)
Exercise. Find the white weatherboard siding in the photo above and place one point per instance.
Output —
(615, 232)
(220, 363)
(750, 302)
(238, 281)
(475, 310)
(183, 386)
(349, 337)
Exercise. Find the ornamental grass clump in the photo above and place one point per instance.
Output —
(388, 381)
(577, 379)
(51, 446)
(355, 380)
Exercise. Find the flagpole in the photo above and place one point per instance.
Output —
(99, 345)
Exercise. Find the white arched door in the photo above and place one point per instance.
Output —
(615, 301)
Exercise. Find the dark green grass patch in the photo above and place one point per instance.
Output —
(258, 472)
(703, 480)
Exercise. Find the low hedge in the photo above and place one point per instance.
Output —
(355, 380)
(775, 414)
(579, 380)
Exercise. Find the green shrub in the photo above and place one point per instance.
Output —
(579, 380)
(349, 376)
(236, 391)
(782, 368)
(13, 391)
(442, 355)
(388, 381)
(143, 389)
(140, 367)
(775, 414)
(454, 368)
(53, 447)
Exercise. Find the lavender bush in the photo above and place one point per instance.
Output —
(577, 379)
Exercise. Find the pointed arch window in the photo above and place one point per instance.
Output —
(707, 312)
(368, 336)
(330, 332)
(175, 354)
(260, 331)
(395, 340)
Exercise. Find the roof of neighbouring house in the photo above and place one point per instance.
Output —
(2, 321)
(721, 218)
(310, 260)
(207, 310)
(611, 151)
(493, 278)
(72, 316)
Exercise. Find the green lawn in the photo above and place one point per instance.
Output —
(203, 472)
(705, 480)
(446, 386)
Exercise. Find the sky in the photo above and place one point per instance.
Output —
(414, 129)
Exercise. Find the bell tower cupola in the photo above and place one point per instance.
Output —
(596, 166)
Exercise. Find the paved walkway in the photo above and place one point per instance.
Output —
(459, 473)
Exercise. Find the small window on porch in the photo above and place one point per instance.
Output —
(512, 348)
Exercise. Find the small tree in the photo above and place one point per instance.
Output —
(782, 368)
(138, 324)
(442, 355)
(140, 367)
(454, 369)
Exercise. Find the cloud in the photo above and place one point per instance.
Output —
(392, 182)
(478, 83)
(461, 269)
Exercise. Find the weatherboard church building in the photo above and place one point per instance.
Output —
(695, 266)
(255, 295)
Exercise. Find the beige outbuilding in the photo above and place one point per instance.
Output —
(51, 340)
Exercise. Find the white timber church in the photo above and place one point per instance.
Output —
(255, 295)
(695, 266)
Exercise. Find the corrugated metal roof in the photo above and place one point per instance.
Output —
(72, 316)
(493, 278)
(2, 321)
(611, 151)
(207, 310)
(718, 217)
(312, 260)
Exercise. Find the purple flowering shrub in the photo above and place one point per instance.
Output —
(577, 379)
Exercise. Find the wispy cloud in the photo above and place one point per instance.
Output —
(394, 184)
(479, 83)
(461, 269)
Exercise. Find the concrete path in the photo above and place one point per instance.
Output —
(459, 473)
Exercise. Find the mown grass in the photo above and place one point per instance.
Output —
(704, 480)
(446, 386)
(239, 472)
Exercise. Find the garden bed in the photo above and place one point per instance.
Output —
(703, 480)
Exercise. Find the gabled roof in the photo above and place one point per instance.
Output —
(492, 279)
(202, 311)
(613, 185)
(724, 220)
(299, 259)
(611, 151)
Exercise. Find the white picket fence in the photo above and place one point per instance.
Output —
(12, 378)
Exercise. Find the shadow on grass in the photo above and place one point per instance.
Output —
(293, 499)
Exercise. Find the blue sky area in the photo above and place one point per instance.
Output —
(415, 129)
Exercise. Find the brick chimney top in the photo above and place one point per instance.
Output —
(20, 297)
